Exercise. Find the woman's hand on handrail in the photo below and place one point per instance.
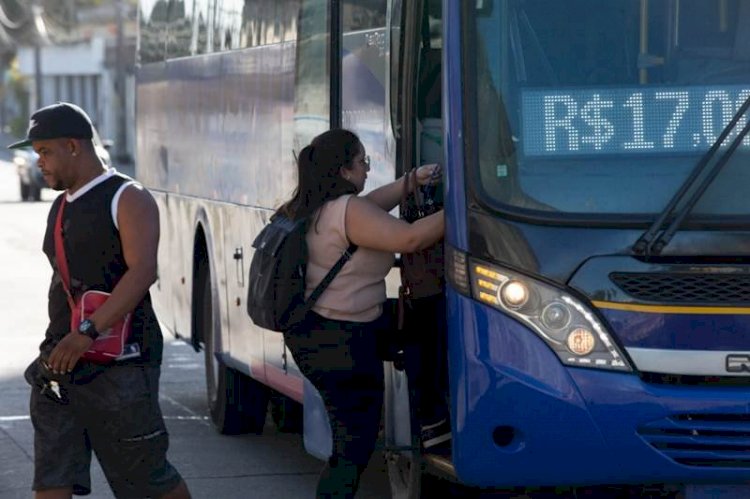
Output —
(430, 174)
(389, 195)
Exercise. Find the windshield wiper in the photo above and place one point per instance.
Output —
(649, 243)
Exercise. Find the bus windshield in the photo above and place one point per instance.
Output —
(604, 108)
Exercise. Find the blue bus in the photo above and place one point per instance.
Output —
(598, 243)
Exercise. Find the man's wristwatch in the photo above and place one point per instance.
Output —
(87, 328)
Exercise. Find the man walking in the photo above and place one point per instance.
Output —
(110, 234)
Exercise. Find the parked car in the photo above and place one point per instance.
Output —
(30, 176)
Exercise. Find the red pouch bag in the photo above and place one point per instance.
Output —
(111, 344)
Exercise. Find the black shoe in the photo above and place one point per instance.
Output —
(436, 433)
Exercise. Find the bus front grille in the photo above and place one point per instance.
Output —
(687, 288)
(702, 440)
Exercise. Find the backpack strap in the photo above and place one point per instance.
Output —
(296, 314)
(345, 257)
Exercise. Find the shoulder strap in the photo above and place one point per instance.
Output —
(345, 257)
(62, 260)
(298, 313)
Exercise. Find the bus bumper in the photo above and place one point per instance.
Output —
(522, 418)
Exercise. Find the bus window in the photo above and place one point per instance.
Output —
(227, 26)
(171, 29)
(267, 21)
(312, 82)
(713, 46)
(359, 15)
(363, 74)
(168, 30)
(712, 28)
(602, 108)
(429, 88)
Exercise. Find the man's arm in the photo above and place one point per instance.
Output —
(138, 220)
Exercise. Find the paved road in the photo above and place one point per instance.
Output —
(273, 465)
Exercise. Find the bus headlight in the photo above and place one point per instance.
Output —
(555, 315)
(581, 341)
(568, 326)
(514, 294)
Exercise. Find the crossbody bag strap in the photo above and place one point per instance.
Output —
(345, 257)
(302, 310)
(62, 260)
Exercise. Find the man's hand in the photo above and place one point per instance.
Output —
(66, 353)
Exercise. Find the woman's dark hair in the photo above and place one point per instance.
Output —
(318, 172)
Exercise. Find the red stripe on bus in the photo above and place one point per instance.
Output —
(285, 383)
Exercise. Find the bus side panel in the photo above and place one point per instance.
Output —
(246, 344)
(208, 146)
(257, 84)
(181, 220)
(224, 150)
(151, 170)
(169, 258)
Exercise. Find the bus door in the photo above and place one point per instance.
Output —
(416, 387)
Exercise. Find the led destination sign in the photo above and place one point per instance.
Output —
(650, 120)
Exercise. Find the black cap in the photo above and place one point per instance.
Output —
(58, 121)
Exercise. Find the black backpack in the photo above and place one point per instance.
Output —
(276, 284)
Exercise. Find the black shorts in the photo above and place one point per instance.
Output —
(116, 415)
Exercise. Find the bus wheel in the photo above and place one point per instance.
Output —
(405, 474)
(237, 403)
(286, 414)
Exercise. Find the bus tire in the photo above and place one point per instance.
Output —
(286, 414)
(237, 403)
(408, 474)
(405, 475)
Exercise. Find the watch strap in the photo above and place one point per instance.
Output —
(89, 329)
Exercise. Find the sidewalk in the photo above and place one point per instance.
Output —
(214, 466)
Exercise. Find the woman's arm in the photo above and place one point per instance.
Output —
(389, 195)
(367, 225)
